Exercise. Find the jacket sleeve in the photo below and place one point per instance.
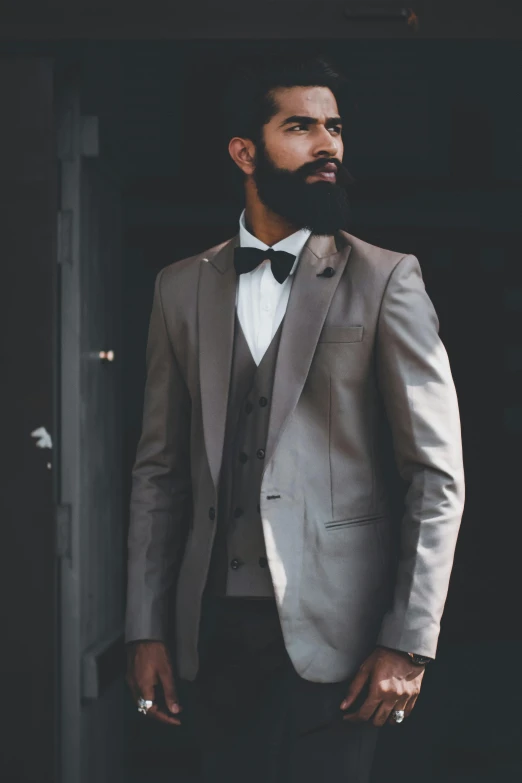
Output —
(160, 504)
(419, 396)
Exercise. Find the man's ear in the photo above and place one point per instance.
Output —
(242, 152)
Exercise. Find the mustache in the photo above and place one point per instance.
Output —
(343, 175)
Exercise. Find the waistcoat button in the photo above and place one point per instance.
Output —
(260, 453)
(243, 457)
(248, 407)
(263, 562)
(263, 401)
(212, 512)
(238, 511)
(235, 563)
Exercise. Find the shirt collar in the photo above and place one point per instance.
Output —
(292, 244)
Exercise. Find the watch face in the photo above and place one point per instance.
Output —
(420, 659)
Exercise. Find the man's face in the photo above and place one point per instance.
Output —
(298, 166)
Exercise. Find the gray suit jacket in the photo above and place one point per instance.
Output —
(359, 357)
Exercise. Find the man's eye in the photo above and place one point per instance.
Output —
(336, 128)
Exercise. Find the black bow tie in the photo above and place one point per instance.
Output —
(247, 258)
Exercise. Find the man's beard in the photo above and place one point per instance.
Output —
(319, 206)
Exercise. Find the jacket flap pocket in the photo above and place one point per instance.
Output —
(336, 523)
(341, 334)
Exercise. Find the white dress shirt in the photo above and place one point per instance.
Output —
(260, 300)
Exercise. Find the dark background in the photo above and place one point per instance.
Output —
(433, 144)
(433, 140)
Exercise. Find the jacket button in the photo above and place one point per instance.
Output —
(235, 563)
(329, 271)
(212, 512)
(248, 407)
(263, 401)
(263, 562)
(238, 511)
(260, 453)
(243, 457)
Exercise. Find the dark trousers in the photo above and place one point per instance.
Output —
(256, 720)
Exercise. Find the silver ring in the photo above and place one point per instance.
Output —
(398, 715)
(144, 705)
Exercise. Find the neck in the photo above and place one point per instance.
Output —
(264, 224)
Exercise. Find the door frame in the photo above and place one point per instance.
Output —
(28, 655)
(232, 19)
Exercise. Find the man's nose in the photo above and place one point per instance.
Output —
(327, 144)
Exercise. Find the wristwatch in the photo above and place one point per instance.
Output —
(419, 660)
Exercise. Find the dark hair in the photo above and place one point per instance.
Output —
(249, 103)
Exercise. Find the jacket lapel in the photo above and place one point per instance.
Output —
(216, 314)
(310, 298)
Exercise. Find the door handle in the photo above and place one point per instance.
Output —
(102, 356)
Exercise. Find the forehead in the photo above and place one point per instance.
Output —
(310, 101)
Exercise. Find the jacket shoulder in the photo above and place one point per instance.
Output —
(379, 259)
(188, 268)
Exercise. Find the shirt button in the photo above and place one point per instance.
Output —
(260, 453)
(263, 401)
(235, 563)
(212, 512)
(248, 407)
(243, 457)
(263, 562)
(238, 511)
(267, 307)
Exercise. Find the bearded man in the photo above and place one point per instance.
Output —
(279, 365)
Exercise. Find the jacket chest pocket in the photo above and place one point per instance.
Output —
(341, 334)
(341, 353)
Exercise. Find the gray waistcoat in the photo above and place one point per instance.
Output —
(239, 566)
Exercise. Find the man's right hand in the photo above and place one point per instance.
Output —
(148, 664)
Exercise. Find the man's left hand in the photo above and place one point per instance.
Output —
(394, 684)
